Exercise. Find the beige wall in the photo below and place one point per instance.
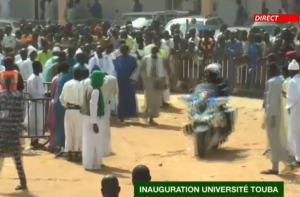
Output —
(61, 10)
(207, 7)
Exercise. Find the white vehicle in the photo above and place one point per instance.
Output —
(141, 19)
(202, 22)
(15, 25)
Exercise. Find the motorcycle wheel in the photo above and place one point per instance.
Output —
(200, 144)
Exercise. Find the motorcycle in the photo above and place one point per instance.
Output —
(212, 120)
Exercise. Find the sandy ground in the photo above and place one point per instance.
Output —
(165, 150)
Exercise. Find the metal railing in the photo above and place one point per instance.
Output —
(35, 115)
(242, 76)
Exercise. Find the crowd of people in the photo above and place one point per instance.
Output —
(94, 72)
(90, 75)
(281, 106)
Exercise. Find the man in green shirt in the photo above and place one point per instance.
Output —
(49, 63)
(45, 54)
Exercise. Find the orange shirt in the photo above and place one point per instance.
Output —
(14, 79)
(28, 38)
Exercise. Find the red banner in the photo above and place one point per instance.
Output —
(276, 17)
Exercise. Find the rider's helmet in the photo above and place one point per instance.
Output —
(214, 67)
(212, 72)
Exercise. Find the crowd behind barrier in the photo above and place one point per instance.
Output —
(189, 68)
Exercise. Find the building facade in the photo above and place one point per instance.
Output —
(226, 9)
(30, 9)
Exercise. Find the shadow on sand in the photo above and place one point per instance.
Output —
(19, 194)
(171, 109)
(225, 154)
(118, 172)
(290, 178)
(115, 123)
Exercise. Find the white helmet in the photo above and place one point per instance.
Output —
(214, 67)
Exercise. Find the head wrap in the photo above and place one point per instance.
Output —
(8, 58)
(31, 49)
(97, 79)
(54, 59)
(78, 51)
(291, 54)
(86, 29)
(56, 49)
(98, 30)
(293, 65)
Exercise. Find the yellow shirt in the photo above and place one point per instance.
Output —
(129, 42)
(147, 50)
(100, 40)
(161, 53)
(43, 57)
(285, 84)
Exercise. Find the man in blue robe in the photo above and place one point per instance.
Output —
(59, 110)
(125, 66)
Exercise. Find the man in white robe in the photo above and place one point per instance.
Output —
(93, 123)
(35, 116)
(162, 53)
(23, 53)
(108, 58)
(26, 67)
(153, 75)
(71, 99)
(109, 91)
(96, 62)
(293, 107)
(274, 123)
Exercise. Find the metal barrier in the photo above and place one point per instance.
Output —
(188, 69)
(185, 68)
(47, 86)
(35, 115)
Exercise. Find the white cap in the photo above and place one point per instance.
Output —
(216, 68)
(293, 65)
(78, 51)
(56, 49)
(30, 49)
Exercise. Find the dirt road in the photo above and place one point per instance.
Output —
(165, 150)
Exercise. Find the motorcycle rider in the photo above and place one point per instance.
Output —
(211, 124)
(213, 77)
(222, 90)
